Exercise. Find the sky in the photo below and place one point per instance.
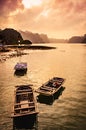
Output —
(56, 18)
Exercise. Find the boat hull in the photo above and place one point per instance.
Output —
(50, 99)
(51, 87)
(27, 121)
(48, 93)
(21, 67)
(23, 116)
(24, 102)
(20, 72)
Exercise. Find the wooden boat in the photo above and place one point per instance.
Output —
(49, 100)
(21, 67)
(51, 87)
(24, 103)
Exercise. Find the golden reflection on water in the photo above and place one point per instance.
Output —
(67, 61)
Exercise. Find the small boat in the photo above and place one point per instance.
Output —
(51, 87)
(24, 103)
(49, 100)
(21, 67)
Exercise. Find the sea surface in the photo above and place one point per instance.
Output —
(65, 111)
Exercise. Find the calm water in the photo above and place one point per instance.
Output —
(68, 111)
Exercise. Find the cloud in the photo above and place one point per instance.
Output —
(54, 17)
(67, 15)
(7, 6)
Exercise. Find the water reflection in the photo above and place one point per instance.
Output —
(20, 73)
(50, 99)
(69, 111)
(27, 122)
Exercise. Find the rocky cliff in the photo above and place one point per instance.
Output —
(34, 37)
(40, 38)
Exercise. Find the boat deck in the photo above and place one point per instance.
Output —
(51, 86)
(24, 103)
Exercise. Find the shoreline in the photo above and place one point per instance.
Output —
(33, 47)
(4, 56)
(42, 47)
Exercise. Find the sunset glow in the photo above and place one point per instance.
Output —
(56, 18)
(30, 3)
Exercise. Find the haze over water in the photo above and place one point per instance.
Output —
(68, 111)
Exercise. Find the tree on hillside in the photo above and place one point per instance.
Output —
(27, 42)
(10, 36)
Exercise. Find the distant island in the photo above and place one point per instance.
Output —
(40, 38)
(43, 38)
(12, 37)
(77, 39)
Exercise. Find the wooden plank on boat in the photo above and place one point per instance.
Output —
(23, 93)
(27, 107)
(23, 114)
(46, 88)
(24, 103)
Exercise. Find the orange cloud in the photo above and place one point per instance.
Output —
(7, 6)
(54, 17)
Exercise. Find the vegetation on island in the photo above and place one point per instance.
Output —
(11, 36)
(13, 39)
(77, 39)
